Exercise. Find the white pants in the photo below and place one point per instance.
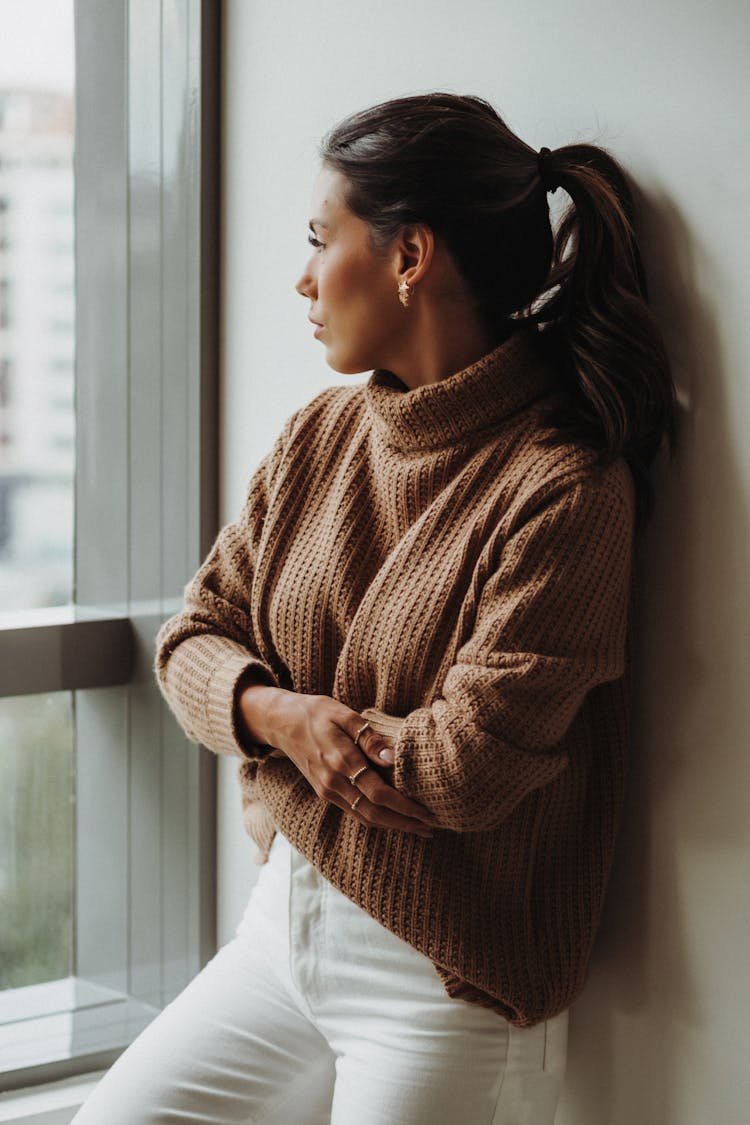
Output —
(315, 1014)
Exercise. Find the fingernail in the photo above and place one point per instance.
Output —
(387, 755)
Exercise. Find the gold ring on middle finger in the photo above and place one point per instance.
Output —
(360, 732)
(357, 773)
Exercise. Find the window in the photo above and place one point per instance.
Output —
(117, 898)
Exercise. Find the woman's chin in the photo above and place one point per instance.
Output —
(344, 365)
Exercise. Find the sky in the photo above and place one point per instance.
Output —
(36, 44)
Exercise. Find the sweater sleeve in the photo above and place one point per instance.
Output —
(204, 651)
(550, 626)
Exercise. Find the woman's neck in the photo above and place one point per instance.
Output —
(446, 333)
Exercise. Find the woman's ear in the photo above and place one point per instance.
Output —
(415, 248)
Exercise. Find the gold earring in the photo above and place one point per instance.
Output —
(404, 293)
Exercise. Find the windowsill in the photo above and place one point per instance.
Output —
(53, 1104)
(69, 1024)
(49, 616)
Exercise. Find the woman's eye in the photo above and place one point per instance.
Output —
(314, 241)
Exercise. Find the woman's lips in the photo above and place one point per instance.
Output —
(317, 328)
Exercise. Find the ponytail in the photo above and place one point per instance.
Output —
(593, 308)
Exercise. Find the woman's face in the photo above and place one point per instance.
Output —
(353, 291)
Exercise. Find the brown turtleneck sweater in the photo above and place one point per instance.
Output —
(423, 557)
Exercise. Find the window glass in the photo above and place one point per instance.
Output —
(107, 898)
(37, 303)
(37, 818)
(37, 348)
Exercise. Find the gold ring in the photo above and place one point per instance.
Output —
(358, 773)
(359, 732)
(356, 801)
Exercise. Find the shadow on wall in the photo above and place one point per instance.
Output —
(643, 999)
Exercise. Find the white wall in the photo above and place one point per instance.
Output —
(660, 1034)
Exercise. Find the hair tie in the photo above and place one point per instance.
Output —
(546, 172)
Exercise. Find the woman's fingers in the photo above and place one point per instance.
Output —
(378, 816)
(380, 805)
(318, 734)
(378, 792)
(383, 796)
(375, 747)
(398, 810)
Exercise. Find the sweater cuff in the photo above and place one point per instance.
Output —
(222, 705)
(200, 680)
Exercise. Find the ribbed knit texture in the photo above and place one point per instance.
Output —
(423, 557)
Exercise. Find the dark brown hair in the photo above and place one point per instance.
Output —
(451, 162)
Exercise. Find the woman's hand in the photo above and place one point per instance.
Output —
(317, 733)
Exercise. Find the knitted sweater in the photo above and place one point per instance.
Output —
(423, 557)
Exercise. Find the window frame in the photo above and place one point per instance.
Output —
(147, 268)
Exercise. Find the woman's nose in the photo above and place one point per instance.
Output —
(304, 285)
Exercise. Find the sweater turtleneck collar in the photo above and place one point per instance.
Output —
(476, 398)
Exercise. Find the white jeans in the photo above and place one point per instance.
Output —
(315, 1014)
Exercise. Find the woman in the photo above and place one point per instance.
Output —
(415, 640)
